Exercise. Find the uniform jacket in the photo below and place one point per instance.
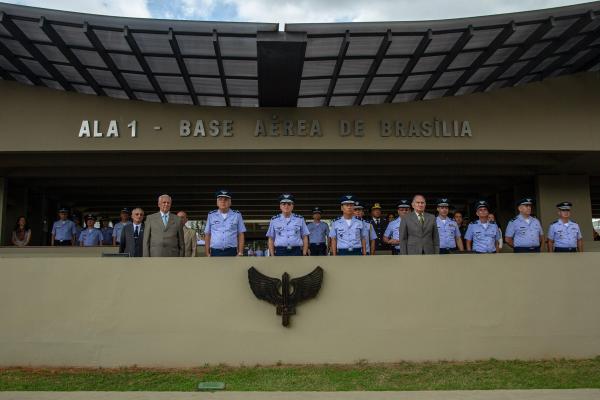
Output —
(417, 238)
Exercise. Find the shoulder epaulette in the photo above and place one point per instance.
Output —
(213, 211)
(474, 222)
(275, 216)
(235, 211)
(298, 216)
(514, 219)
(335, 219)
(553, 222)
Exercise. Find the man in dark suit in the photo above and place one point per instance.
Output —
(163, 234)
(380, 225)
(132, 235)
(418, 230)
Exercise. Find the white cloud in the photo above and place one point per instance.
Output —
(126, 8)
(379, 10)
(290, 11)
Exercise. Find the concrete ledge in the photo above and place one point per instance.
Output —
(189, 312)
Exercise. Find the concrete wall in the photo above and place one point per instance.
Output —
(188, 312)
(556, 114)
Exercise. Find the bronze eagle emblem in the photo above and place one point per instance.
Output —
(285, 293)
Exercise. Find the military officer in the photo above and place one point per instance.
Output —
(318, 238)
(288, 233)
(391, 235)
(348, 234)
(359, 212)
(524, 233)
(380, 225)
(224, 231)
(63, 230)
(106, 230)
(448, 230)
(78, 227)
(482, 236)
(90, 236)
(124, 220)
(564, 235)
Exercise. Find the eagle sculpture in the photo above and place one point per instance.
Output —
(285, 293)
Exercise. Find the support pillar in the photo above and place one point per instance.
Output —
(3, 222)
(552, 189)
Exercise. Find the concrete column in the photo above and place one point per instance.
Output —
(3, 222)
(552, 189)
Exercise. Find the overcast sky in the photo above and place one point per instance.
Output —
(283, 11)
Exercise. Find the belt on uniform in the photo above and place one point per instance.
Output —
(565, 249)
(288, 247)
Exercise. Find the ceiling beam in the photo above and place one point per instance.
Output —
(68, 54)
(182, 67)
(533, 38)
(420, 50)
(338, 66)
(18, 34)
(217, 48)
(508, 30)
(569, 33)
(456, 49)
(383, 48)
(20, 66)
(565, 58)
(142, 61)
(99, 48)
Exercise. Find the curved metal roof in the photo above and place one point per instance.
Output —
(306, 65)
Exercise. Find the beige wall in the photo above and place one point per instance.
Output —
(553, 189)
(188, 312)
(556, 114)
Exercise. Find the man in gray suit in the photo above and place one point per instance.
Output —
(163, 235)
(418, 231)
(132, 235)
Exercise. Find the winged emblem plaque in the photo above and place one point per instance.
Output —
(285, 293)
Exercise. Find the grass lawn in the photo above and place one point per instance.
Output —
(492, 374)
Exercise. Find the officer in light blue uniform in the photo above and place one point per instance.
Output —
(78, 227)
(288, 233)
(359, 212)
(107, 231)
(348, 234)
(524, 233)
(482, 236)
(448, 231)
(90, 236)
(564, 235)
(319, 234)
(64, 231)
(118, 227)
(224, 230)
(391, 235)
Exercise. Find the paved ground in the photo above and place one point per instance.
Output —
(579, 394)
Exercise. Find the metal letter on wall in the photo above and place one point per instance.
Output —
(285, 293)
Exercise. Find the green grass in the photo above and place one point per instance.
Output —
(481, 375)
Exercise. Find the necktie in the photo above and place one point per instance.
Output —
(136, 234)
(164, 217)
(421, 219)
